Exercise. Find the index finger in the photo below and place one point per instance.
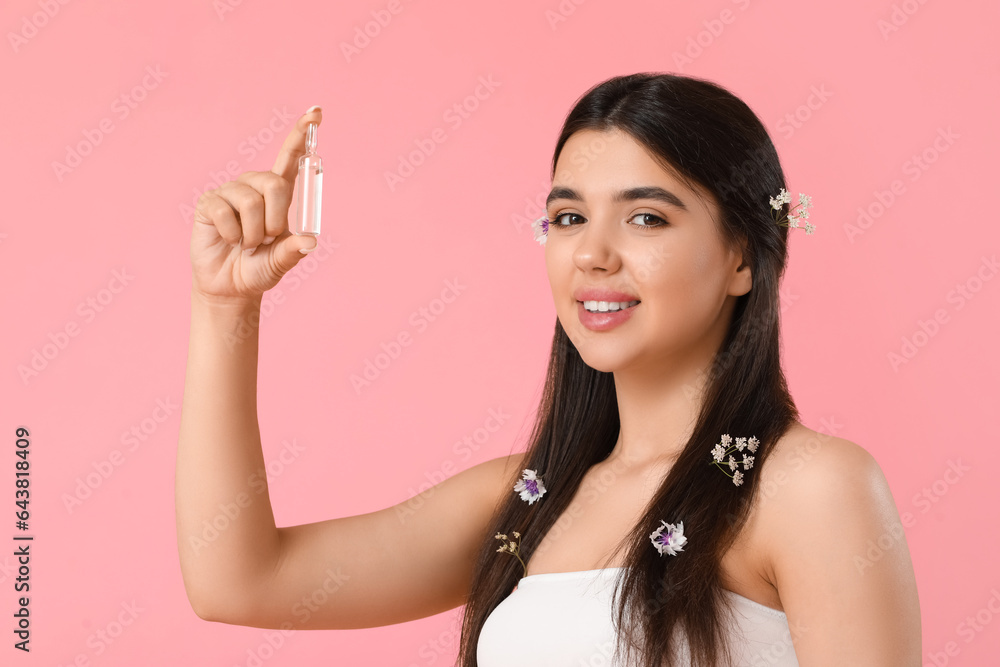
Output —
(286, 164)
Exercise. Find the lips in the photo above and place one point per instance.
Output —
(605, 320)
(602, 294)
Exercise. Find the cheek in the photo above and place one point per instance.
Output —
(684, 285)
(560, 279)
(697, 271)
(559, 264)
(667, 270)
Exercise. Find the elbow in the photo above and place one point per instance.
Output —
(230, 610)
(207, 607)
(216, 614)
(221, 600)
(204, 609)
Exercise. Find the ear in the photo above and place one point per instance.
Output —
(741, 280)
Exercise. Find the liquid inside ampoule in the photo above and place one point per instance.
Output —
(309, 184)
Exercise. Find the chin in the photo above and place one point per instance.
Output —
(602, 365)
(606, 355)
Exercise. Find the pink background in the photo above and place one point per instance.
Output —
(850, 301)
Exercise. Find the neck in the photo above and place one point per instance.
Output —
(659, 402)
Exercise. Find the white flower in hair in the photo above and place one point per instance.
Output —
(541, 229)
(530, 486)
(793, 220)
(671, 541)
(724, 449)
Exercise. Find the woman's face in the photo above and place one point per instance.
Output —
(621, 223)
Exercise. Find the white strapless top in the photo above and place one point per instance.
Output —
(565, 619)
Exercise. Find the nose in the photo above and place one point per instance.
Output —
(596, 245)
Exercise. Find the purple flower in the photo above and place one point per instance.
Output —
(541, 228)
(530, 486)
(671, 541)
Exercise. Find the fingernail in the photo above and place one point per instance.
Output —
(314, 107)
(268, 240)
(306, 251)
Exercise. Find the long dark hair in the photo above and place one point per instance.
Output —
(707, 136)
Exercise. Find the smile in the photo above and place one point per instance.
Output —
(605, 315)
(605, 306)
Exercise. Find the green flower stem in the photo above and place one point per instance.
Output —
(522, 565)
(515, 550)
(725, 466)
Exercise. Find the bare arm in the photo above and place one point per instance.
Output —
(839, 556)
(397, 564)
(226, 533)
(408, 561)
(404, 562)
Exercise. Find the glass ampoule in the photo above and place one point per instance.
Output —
(309, 183)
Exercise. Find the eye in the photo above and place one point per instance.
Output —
(555, 221)
(645, 224)
(649, 220)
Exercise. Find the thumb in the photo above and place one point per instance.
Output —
(289, 250)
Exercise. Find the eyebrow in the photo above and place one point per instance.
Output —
(629, 194)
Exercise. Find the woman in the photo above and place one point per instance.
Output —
(661, 207)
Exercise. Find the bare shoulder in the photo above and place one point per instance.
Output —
(503, 472)
(808, 472)
(505, 468)
(836, 551)
(492, 478)
(803, 457)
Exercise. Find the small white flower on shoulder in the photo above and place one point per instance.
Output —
(752, 444)
(726, 439)
(718, 453)
(737, 478)
(741, 443)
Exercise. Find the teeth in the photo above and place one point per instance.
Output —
(605, 306)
